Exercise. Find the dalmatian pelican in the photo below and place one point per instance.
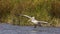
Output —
(34, 21)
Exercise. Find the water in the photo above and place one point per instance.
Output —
(10, 29)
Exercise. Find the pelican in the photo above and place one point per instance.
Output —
(34, 21)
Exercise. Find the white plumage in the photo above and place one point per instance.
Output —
(33, 20)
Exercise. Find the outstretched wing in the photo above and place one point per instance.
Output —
(27, 16)
(43, 22)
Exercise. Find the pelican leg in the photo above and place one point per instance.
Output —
(35, 25)
(39, 24)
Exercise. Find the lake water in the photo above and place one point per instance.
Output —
(10, 29)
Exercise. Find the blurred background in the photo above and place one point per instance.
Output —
(45, 10)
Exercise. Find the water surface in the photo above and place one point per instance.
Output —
(11, 29)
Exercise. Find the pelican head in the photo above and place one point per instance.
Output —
(33, 17)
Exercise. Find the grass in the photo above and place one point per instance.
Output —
(37, 8)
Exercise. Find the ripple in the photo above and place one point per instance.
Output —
(11, 29)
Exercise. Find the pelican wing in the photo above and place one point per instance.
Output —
(27, 16)
(43, 22)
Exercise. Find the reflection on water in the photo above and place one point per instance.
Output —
(10, 29)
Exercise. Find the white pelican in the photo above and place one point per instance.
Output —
(36, 22)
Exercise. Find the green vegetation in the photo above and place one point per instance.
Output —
(46, 10)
